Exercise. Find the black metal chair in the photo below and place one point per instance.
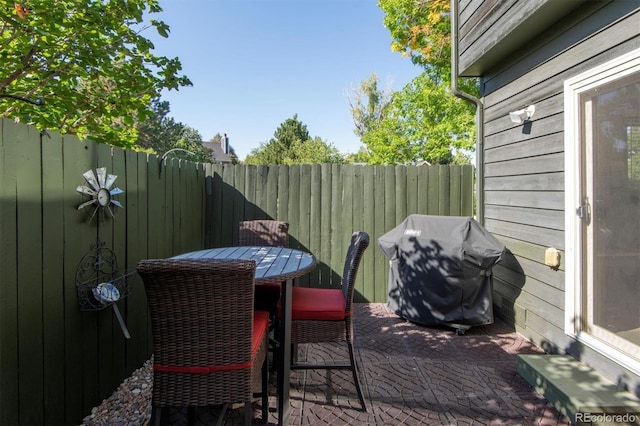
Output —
(324, 315)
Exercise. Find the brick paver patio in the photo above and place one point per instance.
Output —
(415, 375)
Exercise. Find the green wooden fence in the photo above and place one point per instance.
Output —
(57, 362)
(325, 203)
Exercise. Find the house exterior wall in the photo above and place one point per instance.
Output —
(488, 28)
(524, 178)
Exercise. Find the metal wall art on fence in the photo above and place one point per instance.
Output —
(100, 284)
(100, 192)
(98, 280)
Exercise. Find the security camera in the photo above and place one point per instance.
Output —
(522, 115)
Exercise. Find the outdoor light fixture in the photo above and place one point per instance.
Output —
(522, 115)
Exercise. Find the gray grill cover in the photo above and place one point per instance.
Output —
(440, 270)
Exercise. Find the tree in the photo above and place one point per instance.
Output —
(266, 153)
(87, 60)
(424, 121)
(420, 29)
(275, 151)
(191, 140)
(368, 104)
(361, 156)
(288, 133)
(161, 133)
(313, 151)
(291, 144)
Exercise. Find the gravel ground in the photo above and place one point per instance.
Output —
(129, 405)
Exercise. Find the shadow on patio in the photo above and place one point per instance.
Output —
(416, 375)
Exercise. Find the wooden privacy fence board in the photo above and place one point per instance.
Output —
(368, 222)
(119, 242)
(29, 279)
(315, 222)
(20, 194)
(380, 280)
(325, 184)
(101, 335)
(337, 252)
(57, 362)
(8, 275)
(78, 237)
(53, 279)
(138, 173)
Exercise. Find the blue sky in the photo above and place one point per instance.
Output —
(255, 63)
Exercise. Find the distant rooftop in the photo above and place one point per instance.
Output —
(219, 151)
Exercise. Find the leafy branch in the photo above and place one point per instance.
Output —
(89, 61)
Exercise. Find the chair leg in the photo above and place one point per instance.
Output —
(248, 414)
(169, 415)
(223, 411)
(192, 415)
(265, 390)
(156, 415)
(294, 354)
(274, 344)
(356, 379)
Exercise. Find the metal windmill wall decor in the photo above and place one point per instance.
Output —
(100, 192)
(99, 282)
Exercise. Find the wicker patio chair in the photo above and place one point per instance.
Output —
(272, 233)
(209, 344)
(324, 315)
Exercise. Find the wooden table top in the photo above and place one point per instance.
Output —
(272, 263)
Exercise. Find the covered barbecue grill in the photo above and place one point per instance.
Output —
(440, 270)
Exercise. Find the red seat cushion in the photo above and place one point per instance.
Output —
(260, 327)
(317, 304)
